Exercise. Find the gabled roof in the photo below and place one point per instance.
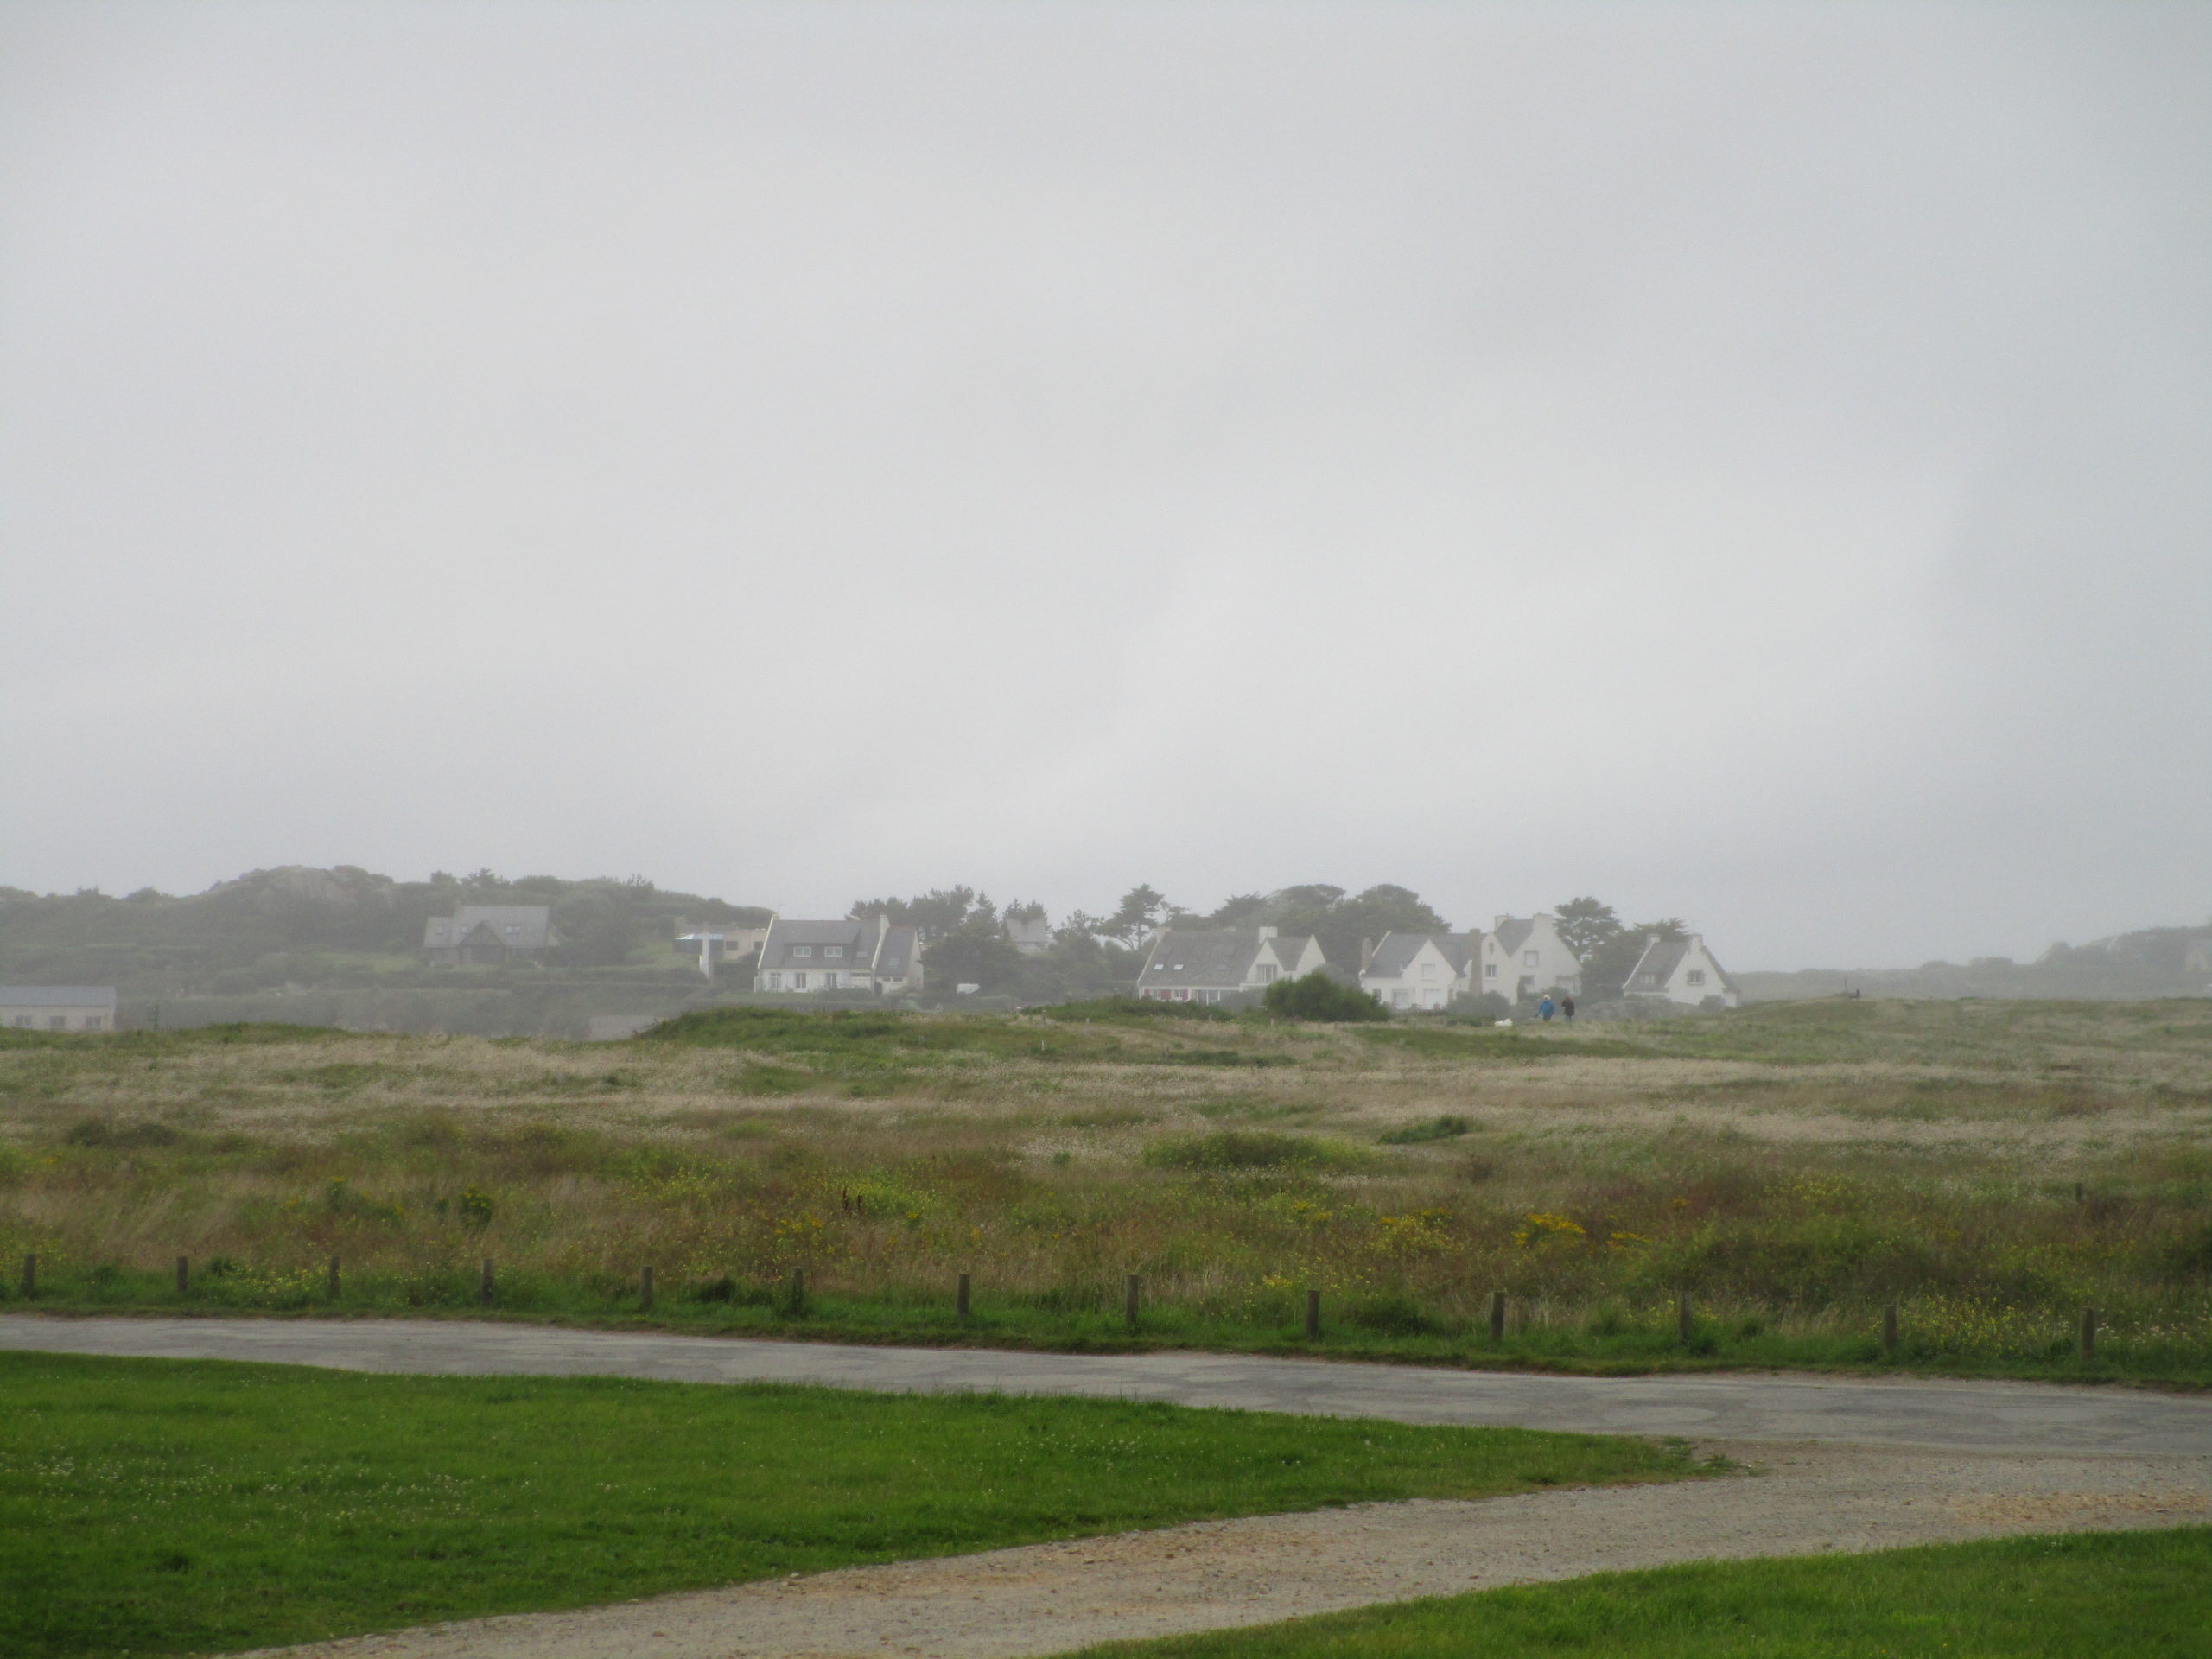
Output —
(1220, 957)
(519, 927)
(58, 996)
(1510, 933)
(1657, 964)
(857, 938)
(1396, 953)
(1288, 948)
(896, 960)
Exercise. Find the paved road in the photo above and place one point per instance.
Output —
(1958, 1416)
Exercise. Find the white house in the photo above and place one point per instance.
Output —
(1421, 970)
(713, 946)
(58, 1007)
(867, 954)
(1205, 965)
(1029, 931)
(1680, 970)
(1524, 957)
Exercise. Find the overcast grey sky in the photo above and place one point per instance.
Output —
(1750, 462)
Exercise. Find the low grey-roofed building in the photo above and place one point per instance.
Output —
(57, 1007)
(1680, 970)
(1421, 970)
(1206, 965)
(490, 934)
(864, 953)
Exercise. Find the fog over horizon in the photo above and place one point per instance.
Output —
(1750, 463)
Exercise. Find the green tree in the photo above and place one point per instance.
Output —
(1605, 969)
(1585, 924)
(598, 927)
(1318, 997)
(974, 953)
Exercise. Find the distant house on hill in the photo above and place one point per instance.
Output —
(1421, 970)
(712, 946)
(58, 1007)
(490, 934)
(1205, 965)
(1524, 957)
(1031, 933)
(865, 955)
(1680, 970)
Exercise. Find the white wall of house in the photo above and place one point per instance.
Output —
(1429, 982)
(1532, 966)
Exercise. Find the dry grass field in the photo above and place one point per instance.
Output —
(1992, 1167)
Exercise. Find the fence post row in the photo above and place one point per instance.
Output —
(799, 1290)
(332, 1286)
(1890, 1328)
(1497, 1316)
(2088, 1333)
(1130, 1301)
(1682, 1320)
(484, 1287)
(1313, 1316)
(183, 1273)
(30, 1277)
(644, 1290)
(960, 1297)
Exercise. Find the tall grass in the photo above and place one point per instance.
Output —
(1790, 1198)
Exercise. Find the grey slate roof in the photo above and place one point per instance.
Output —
(532, 927)
(899, 949)
(1657, 964)
(857, 938)
(58, 996)
(1510, 933)
(1395, 954)
(1218, 958)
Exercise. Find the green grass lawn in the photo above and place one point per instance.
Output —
(2143, 1595)
(165, 1506)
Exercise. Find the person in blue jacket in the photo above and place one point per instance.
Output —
(1544, 1008)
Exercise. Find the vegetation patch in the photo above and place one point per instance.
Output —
(1449, 1127)
(1247, 1150)
(2079, 1597)
(159, 1506)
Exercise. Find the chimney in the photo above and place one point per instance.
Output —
(1268, 932)
(1366, 954)
(1500, 922)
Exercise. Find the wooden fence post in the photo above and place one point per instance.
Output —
(484, 1285)
(799, 1290)
(960, 1297)
(1683, 1322)
(1313, 1316)
(330, 1283)
(1890, 1329)
(645, 1289)
(1497, 1316)
(2088, 1333)
(30, 1278)
(183, 1274)
(1130, 1301)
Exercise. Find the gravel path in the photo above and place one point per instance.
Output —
(1841, 1466)
(2026, 1417)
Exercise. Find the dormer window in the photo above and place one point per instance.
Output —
(833, 950)
(1697, 975)
(802, 950)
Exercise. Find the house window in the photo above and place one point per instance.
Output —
(802, 950)
(1697, 975)
(514, 927)
(1398, 999)
(1490, 970)
(833, 950)
(1428, 970)
(59, 1021)
(1528, 959)
(798, 981)
(1267, 973)
(91, 1022)
(22, 1019)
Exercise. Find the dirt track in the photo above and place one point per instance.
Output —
(1841, 1466)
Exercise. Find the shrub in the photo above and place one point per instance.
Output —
(1320, 998)
(1447, 1127)
(1241, 1149)
(1132, 1007)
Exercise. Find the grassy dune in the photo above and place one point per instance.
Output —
(1992, 1167)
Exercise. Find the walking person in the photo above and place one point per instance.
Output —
(1544, 1008)
(1567, 1007)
